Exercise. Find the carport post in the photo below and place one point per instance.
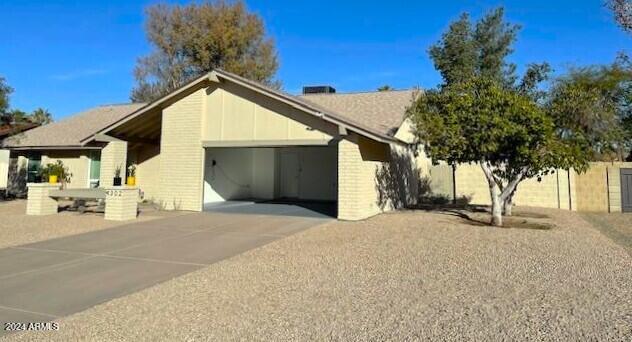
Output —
(38, 202)
(121, 203)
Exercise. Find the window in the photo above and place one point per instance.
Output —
(95, 168)
(33, 168)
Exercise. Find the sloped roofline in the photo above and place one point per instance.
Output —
(217, 75)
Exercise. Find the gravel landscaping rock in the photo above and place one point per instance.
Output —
(401, 276)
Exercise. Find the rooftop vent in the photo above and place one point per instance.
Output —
(319, 90)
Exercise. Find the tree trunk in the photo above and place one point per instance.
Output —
(495, 195)
(508, 204)
(497, 213)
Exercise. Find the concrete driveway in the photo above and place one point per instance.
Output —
(45, 280)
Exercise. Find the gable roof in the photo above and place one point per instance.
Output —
(69, 132)
(382, 111)
(373, 115)
(376, 115)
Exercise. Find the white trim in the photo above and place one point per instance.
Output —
(266, 143)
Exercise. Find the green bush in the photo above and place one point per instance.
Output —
(56, 169)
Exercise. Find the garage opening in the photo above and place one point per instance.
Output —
(274, 180)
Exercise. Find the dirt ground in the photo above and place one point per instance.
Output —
(407, 276)
(16, 228)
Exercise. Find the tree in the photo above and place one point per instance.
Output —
(16, 117)
(41, 116)
(5, 92)
(193, 39)
(385, 87)
(465, 51)
(594, 104)
(482, 114)
(622, 10)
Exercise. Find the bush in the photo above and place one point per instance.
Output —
(56, 169)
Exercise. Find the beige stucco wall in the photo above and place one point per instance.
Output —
(78, 165)
(113, 155)
(237, 114)
(147, 160)
(181, 154)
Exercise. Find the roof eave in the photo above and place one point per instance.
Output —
(215, 75)
(208, 77)
(53, 147)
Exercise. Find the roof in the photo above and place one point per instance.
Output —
(70, 131)
(7, 130)
(381, 111)
(375, 115)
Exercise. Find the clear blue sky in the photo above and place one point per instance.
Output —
(70, 55)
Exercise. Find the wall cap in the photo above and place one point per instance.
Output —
(43, 185)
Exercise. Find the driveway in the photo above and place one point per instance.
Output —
(54, 278)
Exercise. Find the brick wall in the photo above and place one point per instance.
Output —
(113, 155)
(551, 191)
(373, 178)
(181, 154)
(357, 193)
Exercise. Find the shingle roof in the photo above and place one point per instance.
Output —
(70, 131)
(376, 113)
(381, 111)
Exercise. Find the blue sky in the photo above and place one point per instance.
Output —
(67, 56)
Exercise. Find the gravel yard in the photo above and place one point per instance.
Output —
(616, 226)
(17, 229)
(401, 276)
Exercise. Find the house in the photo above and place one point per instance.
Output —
(7, 130)
(222, 137)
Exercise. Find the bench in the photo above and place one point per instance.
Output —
(121, 202)
(81, 196)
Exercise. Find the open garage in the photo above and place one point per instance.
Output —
(300, 175)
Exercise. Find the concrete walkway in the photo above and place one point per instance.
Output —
(43, 281)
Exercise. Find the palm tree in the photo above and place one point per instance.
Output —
(41, 116)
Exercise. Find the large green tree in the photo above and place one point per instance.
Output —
(466, 50)
(483, 114)
(594, 104)
(189, 40)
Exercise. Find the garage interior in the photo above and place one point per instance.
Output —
(301, 176)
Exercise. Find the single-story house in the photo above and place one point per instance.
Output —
(222, 137)
(6, 130)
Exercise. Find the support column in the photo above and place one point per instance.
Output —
(113, 155)
(39, 202)
(121, 203)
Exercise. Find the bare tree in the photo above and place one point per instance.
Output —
(622, 13)
(192, 39)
